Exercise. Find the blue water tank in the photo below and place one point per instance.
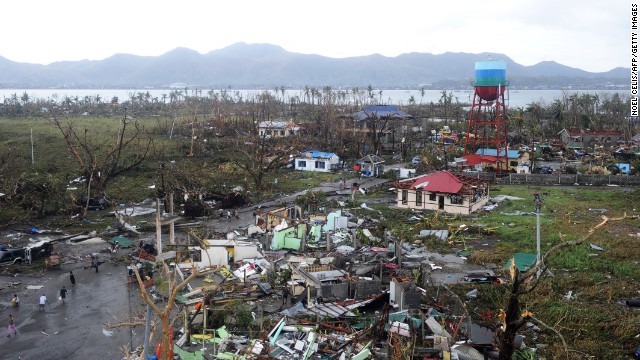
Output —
(491, 73)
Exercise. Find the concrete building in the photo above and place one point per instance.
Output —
(315, 160)
(442, 191)
(276, 128)
(588, 138)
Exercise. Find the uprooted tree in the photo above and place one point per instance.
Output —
(174, 288)
(525, 282)
(100, 162)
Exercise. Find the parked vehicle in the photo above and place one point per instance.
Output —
(11, 256)
(27, 254)
(416, 160)
(546, 170)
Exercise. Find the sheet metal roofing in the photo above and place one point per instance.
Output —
(475, 159)
(511, 154)
(316, 154)
(442, 182)
(381, 111)
(369, 158)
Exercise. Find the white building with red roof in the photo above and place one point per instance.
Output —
(444, 191)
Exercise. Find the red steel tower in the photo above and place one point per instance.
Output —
(487, 131)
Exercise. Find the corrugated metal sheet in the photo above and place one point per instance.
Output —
(331, 310)
(316, 154)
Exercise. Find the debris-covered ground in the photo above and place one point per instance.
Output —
(295, 278)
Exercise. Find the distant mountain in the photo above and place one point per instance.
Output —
(267, 66)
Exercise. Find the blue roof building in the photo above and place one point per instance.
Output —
(511, 154)
(381, 112)
(315, 160)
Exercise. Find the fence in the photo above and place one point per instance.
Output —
(557, 179)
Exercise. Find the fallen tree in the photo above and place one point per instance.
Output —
(525, 282)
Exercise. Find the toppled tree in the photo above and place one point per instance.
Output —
(99, 160)
(174, 288)
(525, 282)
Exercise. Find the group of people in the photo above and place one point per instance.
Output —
(228, 214)
(42, 303)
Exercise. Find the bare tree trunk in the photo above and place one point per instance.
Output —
(86, 204)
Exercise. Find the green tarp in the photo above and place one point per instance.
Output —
(123, 241)
(523, 261)
(185, 355)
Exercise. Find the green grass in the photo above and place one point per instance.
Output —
(594, 322)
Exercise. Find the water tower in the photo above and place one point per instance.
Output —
(487, 131)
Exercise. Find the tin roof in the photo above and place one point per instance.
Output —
(440, 182)
(511, 154)
(381, 111)
(316, 154)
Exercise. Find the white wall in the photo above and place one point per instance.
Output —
(310, 163)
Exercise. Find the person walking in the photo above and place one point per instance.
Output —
(15, 301)
(63, 294)
(285, 296)
(72, 278)
(12, 327)
(94, 262)
(43, 302)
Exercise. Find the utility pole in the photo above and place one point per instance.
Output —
(538, 201)
(32, 157)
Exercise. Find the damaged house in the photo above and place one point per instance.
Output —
(444, 191)
(314, 160)
(277, 129)
(220, 253)
(320, 281)
(588, 138)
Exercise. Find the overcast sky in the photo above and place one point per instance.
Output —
(593, 35)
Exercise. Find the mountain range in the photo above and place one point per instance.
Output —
(246, 66)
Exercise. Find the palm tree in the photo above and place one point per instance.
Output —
(558, 115)
(535, 110)
(25, 98)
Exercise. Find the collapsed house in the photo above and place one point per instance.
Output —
(219, 253)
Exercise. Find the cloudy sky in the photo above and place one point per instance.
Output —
(593, 35)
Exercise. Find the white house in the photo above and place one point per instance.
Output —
(315, 160)
(278, 128)
(442, 191)
(220, 253)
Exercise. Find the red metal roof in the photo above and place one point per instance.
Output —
(475, 159)
(443, 182)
